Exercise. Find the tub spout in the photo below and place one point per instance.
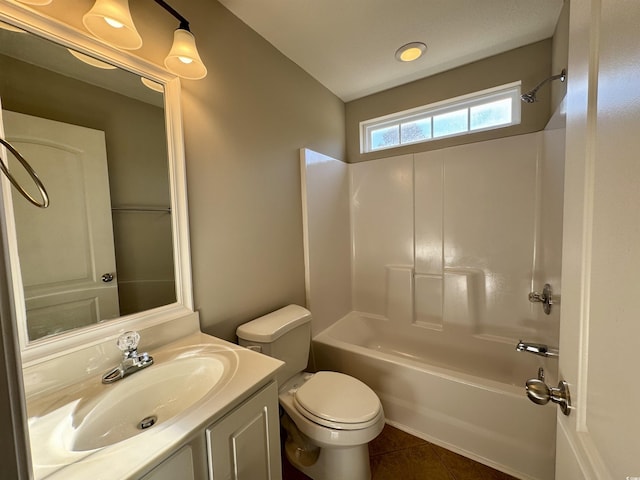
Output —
(536, 349)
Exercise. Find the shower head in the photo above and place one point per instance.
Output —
(530, 96)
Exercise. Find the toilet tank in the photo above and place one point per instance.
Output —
(284, 334)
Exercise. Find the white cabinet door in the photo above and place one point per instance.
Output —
(245, 444)
(600, 324)
(65, 249)
(177, 467)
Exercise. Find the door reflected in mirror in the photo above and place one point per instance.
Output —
(96, 137)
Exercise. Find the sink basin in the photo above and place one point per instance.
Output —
(85, 429)
(142, 401)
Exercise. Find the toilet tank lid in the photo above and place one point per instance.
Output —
(272, 326)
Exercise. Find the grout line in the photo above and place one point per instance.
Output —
(444, 465)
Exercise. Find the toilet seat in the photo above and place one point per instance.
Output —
(337, 401)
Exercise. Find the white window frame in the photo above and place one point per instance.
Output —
(508, 91)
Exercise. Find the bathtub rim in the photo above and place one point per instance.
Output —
(325, 337)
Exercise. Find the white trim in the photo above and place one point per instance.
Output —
(467, 101)
(305, 225)
(585, 458)
(13, 416)
(34, 22)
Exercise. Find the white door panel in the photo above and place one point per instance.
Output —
(65, 249)
(600, 325)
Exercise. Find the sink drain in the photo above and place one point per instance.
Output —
(147, 422)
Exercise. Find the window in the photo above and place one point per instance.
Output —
(493, 108)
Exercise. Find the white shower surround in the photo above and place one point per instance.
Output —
(445, 246)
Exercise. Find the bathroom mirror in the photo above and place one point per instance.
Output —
(103, 131)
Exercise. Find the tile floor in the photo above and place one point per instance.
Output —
(398, 455)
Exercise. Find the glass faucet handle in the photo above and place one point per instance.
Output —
(128, 341)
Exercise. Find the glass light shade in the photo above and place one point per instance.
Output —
(183, 59)
(111, 21)
(155, 86)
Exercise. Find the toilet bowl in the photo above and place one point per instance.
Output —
(329, 417)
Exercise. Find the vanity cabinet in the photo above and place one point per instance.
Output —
(242, 445)
(178, 466)
(245, 443)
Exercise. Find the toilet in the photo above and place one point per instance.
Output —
(329, 417)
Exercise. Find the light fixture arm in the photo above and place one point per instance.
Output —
(183, 59)
(184, 23)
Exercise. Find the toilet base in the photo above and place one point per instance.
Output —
(341, 463)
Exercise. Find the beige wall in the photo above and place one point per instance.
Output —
(244, 125)
(531, 64)
(560, 56)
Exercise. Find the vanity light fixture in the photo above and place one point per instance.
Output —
(183, 59)
(111, 21)
(410, 52)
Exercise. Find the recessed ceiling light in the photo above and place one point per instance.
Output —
(411, 51)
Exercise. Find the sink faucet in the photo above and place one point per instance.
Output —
(536, 349)
(132, 361)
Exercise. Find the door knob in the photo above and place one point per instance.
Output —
(540, 393)
(107, 277)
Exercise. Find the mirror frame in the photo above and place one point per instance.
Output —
(36, 23)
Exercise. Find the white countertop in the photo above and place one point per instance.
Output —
(50, 411)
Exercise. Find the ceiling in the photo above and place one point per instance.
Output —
(349, 45)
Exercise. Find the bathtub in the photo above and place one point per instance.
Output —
(454, 389)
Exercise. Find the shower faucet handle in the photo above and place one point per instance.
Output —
(546, 298)
(537, 297)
